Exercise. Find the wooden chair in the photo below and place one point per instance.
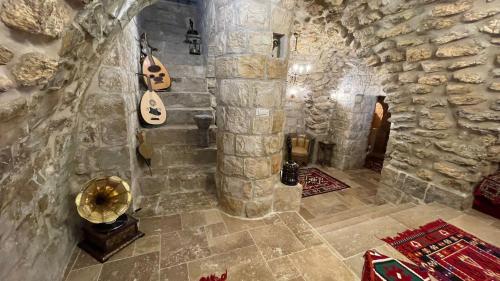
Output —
(302, 148)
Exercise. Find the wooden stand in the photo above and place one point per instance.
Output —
(103, 244)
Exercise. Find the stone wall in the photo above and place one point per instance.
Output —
(108, 121)
(308, 102)
(36, 210)
(50, 54)
(350, 122)
(250, 94)
(208, 28)
(439, 63)
(329, 103)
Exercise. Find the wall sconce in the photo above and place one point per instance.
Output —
(299, 69)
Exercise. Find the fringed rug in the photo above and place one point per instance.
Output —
(315, 181)
(449, 253)
(378, 267)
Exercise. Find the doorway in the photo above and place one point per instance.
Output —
(379, 136)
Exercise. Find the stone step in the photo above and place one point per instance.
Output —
(159, 16)
(189, 155)
(187, 99)
(185, 84)
(179, 180)
(178, 116)
(174, 58)
(170, 43)
(170, 156)
(177, 135)
(375, 212)
(156, 37)
(168, 204)
(185, 70)
(340, 216)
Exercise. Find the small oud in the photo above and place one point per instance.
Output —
(153, 68)
(152, 110)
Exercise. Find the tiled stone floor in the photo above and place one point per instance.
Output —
(325, 241)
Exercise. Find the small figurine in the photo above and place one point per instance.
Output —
(191, 28)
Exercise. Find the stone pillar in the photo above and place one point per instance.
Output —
(251, 89)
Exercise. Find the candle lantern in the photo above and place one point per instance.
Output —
(193, 38)
(290, 172)
(194, 47)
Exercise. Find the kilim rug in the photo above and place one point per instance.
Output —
(449, 253)
(314, 181)
(379, 267)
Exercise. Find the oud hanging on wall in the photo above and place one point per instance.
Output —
(152, 67)
(151, 108)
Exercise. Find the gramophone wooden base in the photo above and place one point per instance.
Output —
(103, 245)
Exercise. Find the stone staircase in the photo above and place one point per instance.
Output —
(182, 172)
(355, 215)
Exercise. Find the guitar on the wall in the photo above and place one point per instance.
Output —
(153, 68)
(152, 109)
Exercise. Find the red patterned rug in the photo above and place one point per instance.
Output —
(449, 253)
(487, 195)
(315, 181)
(378, 267)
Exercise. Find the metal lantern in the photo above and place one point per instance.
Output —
(193, 38)
(194, 47)
(290, 172)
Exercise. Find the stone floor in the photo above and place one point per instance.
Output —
(324, 242)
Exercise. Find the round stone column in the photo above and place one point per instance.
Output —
(251, 88)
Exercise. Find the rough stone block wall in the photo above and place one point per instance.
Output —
(329, 103)
(439, 63)
(250, 94)
(351, 117)
(108, 121)
(50, 53)
(308, 105)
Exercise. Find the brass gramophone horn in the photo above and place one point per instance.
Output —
(103, 200)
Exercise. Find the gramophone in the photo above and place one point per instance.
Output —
(107, 229)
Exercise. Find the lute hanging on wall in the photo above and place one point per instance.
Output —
(153, 68)
(151, 108)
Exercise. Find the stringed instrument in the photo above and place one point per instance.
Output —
(152, 109)
(153, 68)
(144, 149)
